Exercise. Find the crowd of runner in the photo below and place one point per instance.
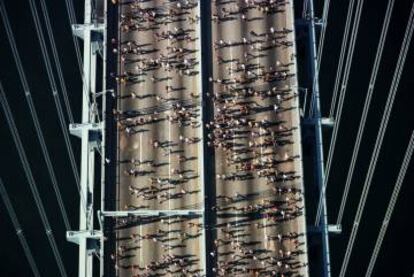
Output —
(259, 196)
(158, 121)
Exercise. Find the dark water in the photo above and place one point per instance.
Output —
(395, 258)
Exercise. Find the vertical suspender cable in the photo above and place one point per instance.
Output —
(391, 205)
(378, 143)
(19, 230)
(31, 181)
(367, 104)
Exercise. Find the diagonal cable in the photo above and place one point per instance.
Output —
(34, 115)
(72, 21)
(391, 205)
(323, 32)
(338, 116)
(378, 143)
(319, 54)
(53, 86)
(367, 104)
(341, 57)
(19, 230)
(31, 181)
(56, 60)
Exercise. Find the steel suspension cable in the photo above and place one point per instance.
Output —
(56, 60)
(72, 21)
(305, 8)
(52, 82)
(319, 54)
(344, 86)
(31, 181)
(391, 205)
(323, 32)
(341, 57)
(19, 230)
(367, 104)
(35, 118)
(54, 90)
(378, 143)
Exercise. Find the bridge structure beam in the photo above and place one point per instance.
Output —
(90, 131)
(180, 212)
(318, 122)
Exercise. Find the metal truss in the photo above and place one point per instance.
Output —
(152, 213)
(317, 122)
(90, 132)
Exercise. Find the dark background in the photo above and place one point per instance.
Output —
(396, 258)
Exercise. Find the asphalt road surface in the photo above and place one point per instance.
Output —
(260, 227)
(159, 138)
(259, 189)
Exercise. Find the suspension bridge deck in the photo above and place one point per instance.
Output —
(159, 225)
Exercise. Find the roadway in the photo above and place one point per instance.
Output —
(260, 227)
(254, 237)
(159, 131)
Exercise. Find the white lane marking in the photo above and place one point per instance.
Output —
(140, 226)
(261, 160)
